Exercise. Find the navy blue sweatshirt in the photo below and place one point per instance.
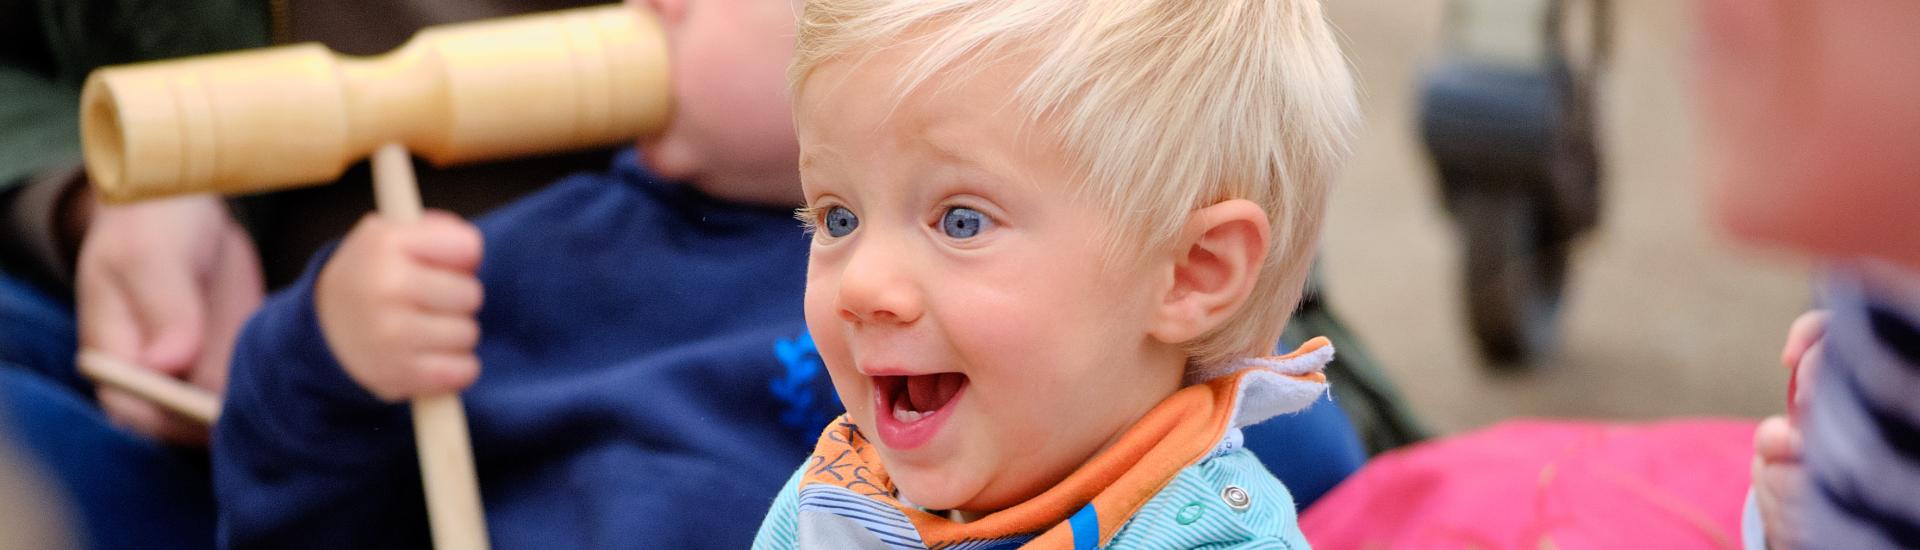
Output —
(646, 382)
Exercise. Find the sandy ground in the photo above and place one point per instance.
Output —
(1663, 316)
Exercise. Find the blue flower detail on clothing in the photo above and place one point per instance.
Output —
(804, 409)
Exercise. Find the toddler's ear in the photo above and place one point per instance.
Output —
(1215, 266)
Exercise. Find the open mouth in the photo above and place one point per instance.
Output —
(911, 398)
(909, 408)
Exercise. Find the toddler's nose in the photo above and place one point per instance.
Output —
(877, 287)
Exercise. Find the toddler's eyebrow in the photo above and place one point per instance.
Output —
(816, 154)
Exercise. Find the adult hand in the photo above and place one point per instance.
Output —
(166, 285)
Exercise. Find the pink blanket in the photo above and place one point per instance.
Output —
(1538, 484)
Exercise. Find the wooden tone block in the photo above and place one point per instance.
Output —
(272, 118)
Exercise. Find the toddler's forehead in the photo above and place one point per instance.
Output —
(939, 105)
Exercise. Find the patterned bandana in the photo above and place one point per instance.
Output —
(847, 500)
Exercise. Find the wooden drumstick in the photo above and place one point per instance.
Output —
(439, 422)
(180, 397)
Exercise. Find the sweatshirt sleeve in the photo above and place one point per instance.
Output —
(303, 457)
(1863, 422)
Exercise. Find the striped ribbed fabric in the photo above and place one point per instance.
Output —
(1863, 425)
(883, 521)
(780, 530)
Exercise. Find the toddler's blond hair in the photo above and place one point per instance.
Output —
(1165, 106)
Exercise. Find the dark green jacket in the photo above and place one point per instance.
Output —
(49, 46)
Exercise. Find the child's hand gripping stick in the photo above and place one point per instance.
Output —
(439, 422)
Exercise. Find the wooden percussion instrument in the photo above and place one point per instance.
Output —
(297, 115)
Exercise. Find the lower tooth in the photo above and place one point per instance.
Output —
(904, 415)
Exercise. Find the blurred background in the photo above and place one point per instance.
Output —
(1660, 316)
(1656, 315)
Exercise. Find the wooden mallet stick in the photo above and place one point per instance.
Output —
(439, 422)
(180, 397)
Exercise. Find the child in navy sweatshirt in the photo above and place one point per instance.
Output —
(636, 363)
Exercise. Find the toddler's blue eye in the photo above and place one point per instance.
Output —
(961, 222)
(841, 221)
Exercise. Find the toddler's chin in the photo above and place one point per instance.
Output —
(931, 490)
